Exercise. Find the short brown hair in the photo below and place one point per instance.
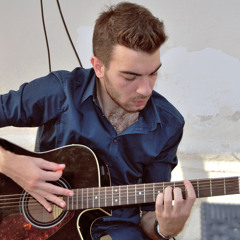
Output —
(129, 25)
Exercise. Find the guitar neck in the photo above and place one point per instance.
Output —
(98, 197)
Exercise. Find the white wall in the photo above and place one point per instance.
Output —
(200, 73)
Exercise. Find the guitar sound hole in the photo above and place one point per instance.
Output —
(37, 215)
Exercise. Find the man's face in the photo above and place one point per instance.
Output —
(130, 77)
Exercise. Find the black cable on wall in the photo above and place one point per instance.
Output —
(46, 38)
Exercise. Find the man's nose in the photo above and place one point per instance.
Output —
(144, 87)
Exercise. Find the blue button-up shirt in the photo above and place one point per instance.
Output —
(65, 108)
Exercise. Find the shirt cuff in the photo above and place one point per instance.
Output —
(3, 120)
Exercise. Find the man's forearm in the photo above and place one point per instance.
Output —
(148, 225)
(3, 155)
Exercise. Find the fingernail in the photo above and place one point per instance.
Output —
(62, 204)
(71, 194)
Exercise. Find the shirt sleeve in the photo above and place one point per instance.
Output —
(159, 170)
(33, 104)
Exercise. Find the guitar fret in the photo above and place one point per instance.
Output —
(239, 184)
(210, 183)
(127, 195)
(115, 196)
(76, 199)
(216, 189)
(144, 192)
(119, 195)
(105, 197)
(116, 201)
(87, 197)
(67, 202)
(93, 198)
(198, 188)
(131, 195)
(99, 198)
(82, 198)
(102, 197)
(135, 193)
(112, 196)
(224, 186)
(153, 193)
(72, 203)
(157, 191)
(139, 190)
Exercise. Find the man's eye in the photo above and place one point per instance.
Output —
(130, 78)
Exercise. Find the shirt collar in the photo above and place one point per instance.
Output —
(151, 114)
(90, 89)
(149, 118)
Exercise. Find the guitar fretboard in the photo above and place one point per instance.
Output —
(98, 197)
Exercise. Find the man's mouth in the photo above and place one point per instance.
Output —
(140, 103)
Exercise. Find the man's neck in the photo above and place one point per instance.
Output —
(117, 116)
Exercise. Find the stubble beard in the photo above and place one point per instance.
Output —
(115, 96)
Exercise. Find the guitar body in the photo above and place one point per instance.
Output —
(20, 222)
(23, 218)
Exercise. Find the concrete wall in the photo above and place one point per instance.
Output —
(200, 73)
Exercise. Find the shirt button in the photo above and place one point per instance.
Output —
(114, 140)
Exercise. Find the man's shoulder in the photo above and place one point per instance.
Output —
(78, 74)
(166, 109)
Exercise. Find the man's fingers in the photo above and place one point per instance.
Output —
(191, 195)
(50, 176)
(168, 197)
(54, 189)
(48, 192)
(190, 190)
(159, 202)
(42, 201)
(47, 165)
(178, 200)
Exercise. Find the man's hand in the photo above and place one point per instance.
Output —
(33, 174)
(171, 218)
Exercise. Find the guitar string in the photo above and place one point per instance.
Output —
(110, 190)
(37, 208)
(132, 193)
(146, 186)
(173, 184)
(90, 198)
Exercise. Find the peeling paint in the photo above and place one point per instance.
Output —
(205, 118)
(235, 117)
(204, 85)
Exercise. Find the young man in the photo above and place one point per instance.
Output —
(112, 109)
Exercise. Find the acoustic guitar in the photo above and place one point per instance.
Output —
(23, 218)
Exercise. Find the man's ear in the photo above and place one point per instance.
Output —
(97, 66)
